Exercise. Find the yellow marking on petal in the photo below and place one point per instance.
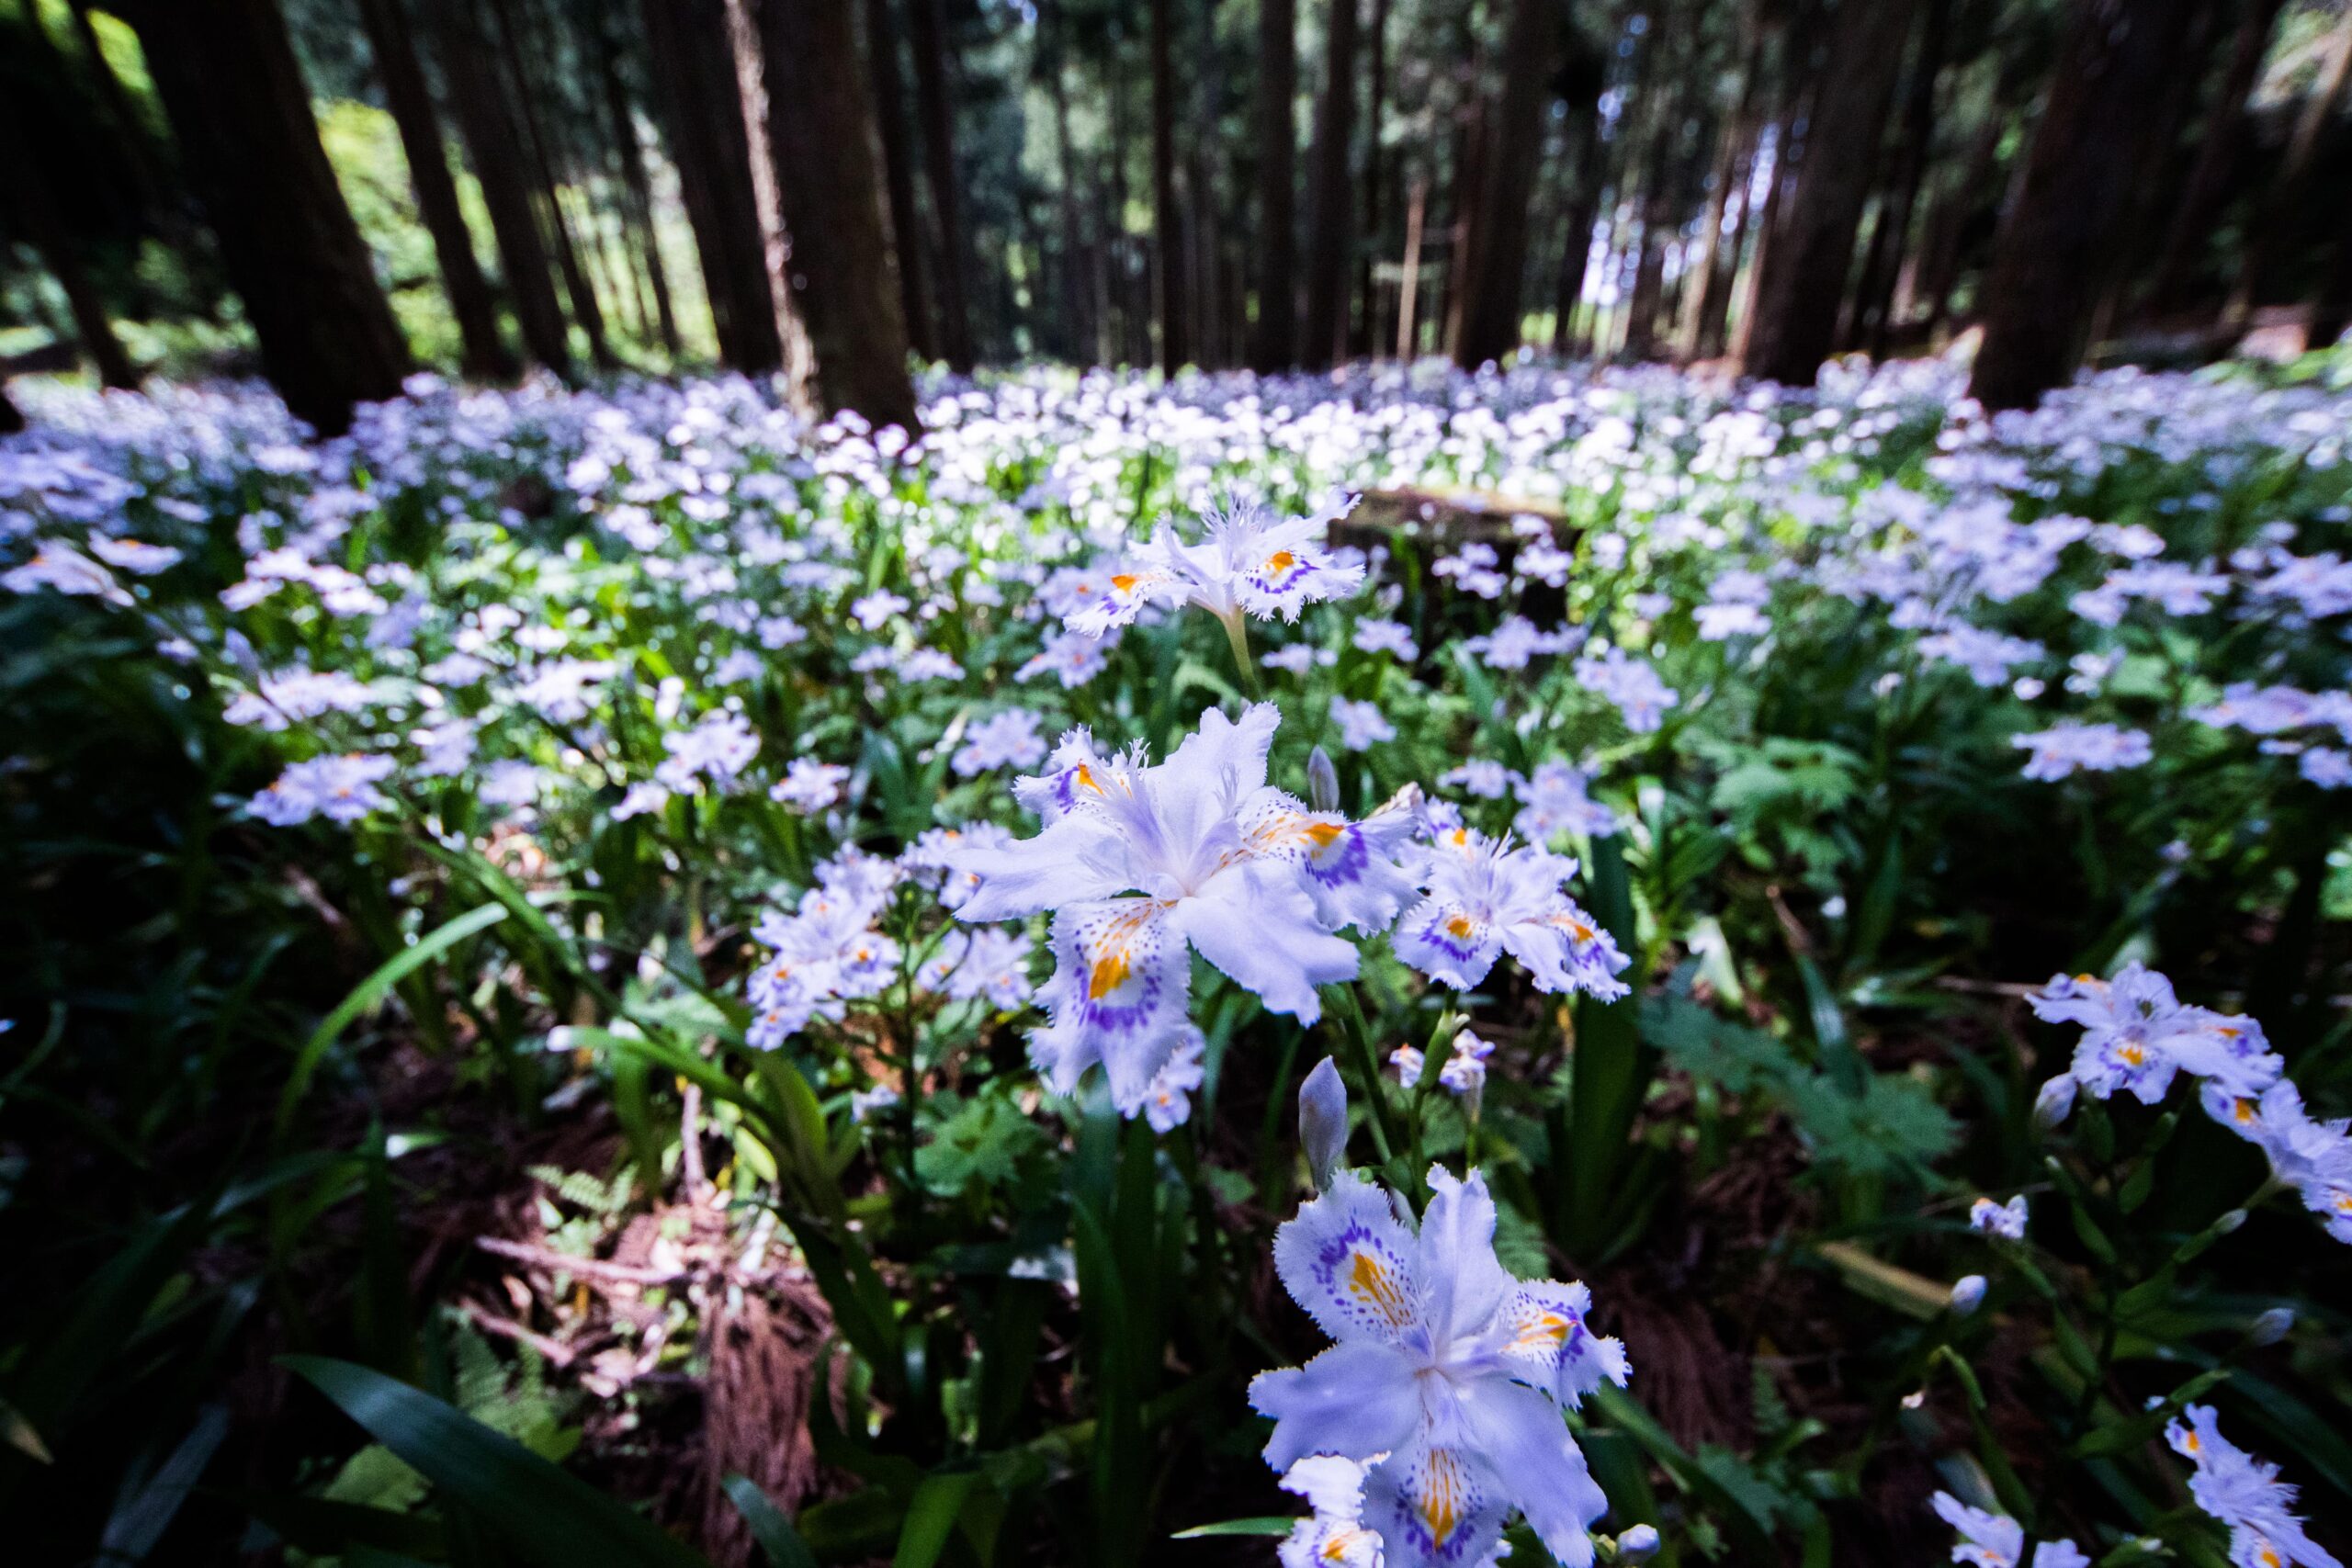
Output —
(2244, 1110)
(1323, 835)
(1124, 583)
(1109, 974)
(1548, 1329)
(1460, 926)
(2132, 1056)
(2193, 1443)
(1281, 561)
(1440, 1502)
(1370, 1281)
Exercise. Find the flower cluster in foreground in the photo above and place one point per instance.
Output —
(1447, 1381)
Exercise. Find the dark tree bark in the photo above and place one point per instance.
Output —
(898, 169)
(1586, 173)
(634, 178)
(1491, 312)
(1890, 236)
(2290, 191)
(937, 110)
(493, 148)
(1081, 339)
(693, 69)
(1699, 332)
(1367, 329)
(484, 355)
(1274, 344)
(2332, 313)
(1805, 281)
(2056, 251)
(2217, 156)
(829, 182)
(1324, 333)
(1170, 273)
(520, 53)
(238, 106)
(36, 205)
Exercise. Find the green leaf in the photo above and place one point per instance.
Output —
(931, 1519)
(549, 1517)
(775, 1533)
(370, 991)
(1270, 1525)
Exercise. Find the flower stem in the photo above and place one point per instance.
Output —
(1237, 634)
(1359, 1035)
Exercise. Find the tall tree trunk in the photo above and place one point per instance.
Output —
(693, 69)
(1584, 174)
(898, 168)
(797, 363)
(937, 111)
(1323, 337)
(1890, 236)
(239, 108)
(1076, 294)
(1804, 282)
(829, 183)
(2216, 157)
(519, 51)
(1409, 289)
(1367, 329)
(484, 355)
(634, 178)
(2290, 190)
(2055, 252)
(1274, 344)
(1738, 131)
(494, 150)
(1171, 275)
(1939, 270)
(2332, 313)
(1491, 312)
(36, 204)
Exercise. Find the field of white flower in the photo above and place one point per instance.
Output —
(715, 983)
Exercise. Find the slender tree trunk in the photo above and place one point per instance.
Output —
(1170, 274)
(1805, 281)
(2291, 191)
(797, 361)
(1367, 329)
(1409, 289)
(898, 167)
(2055, 252)
(493, 147)
(241, 112)
(36, 204)
(484, 356)
(520, 49)
(1490, 316)
(829, 181)
(1939, 266)
(634, 178)
(1323, 334)
(2216, 157)
(1738, 128)
(1576, 239)
(2332, 313)
(1890, 237)
(1078, 299)
(1274, 344)
(928, 33)
(693, 68)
